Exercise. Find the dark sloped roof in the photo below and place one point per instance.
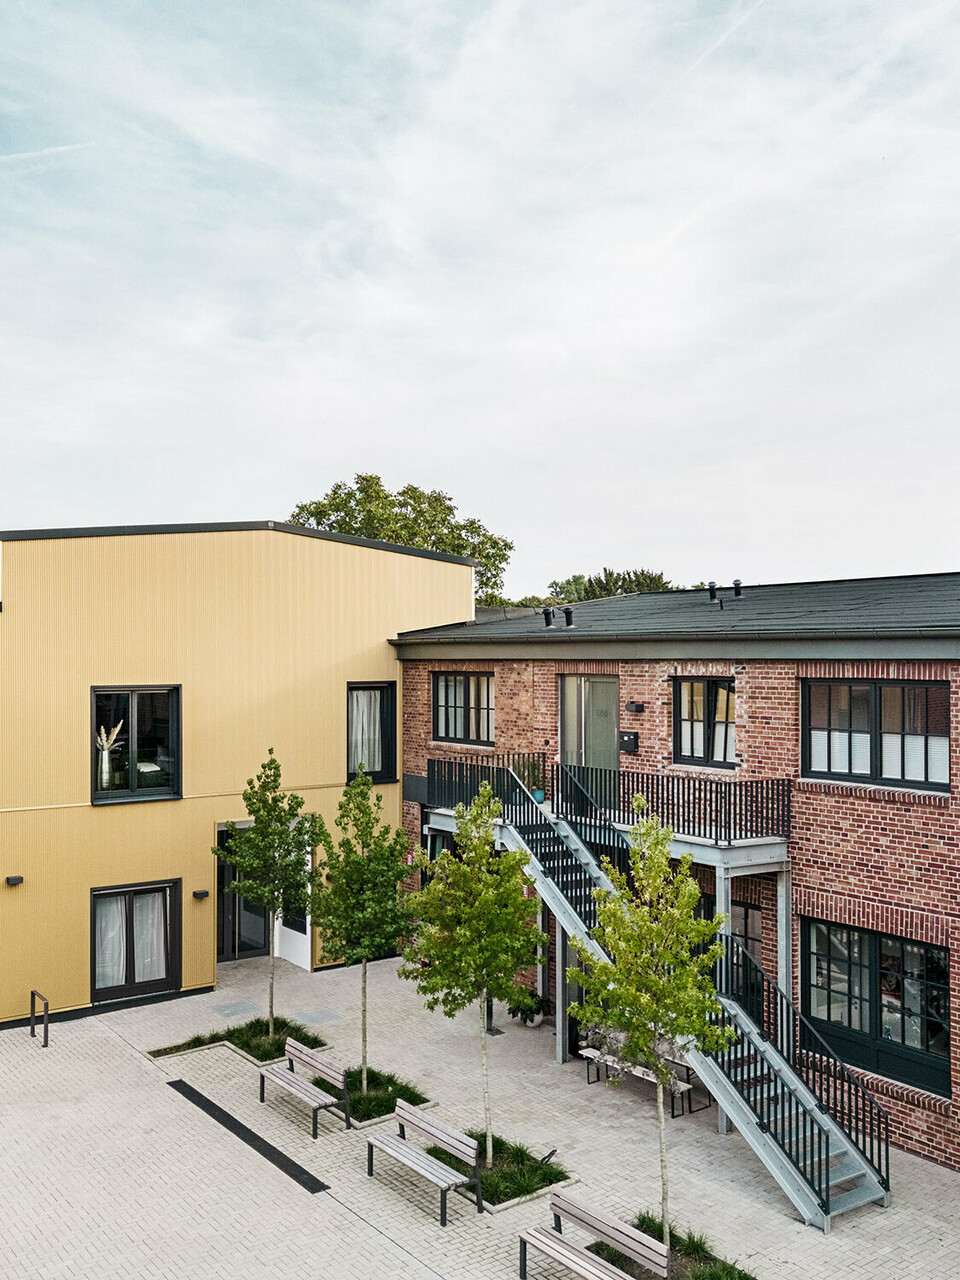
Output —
(918, 605)
(227, 526)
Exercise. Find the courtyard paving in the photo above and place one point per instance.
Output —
(105, 1171)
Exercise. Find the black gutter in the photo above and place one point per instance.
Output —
(557, 636)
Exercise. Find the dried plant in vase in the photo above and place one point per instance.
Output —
(105, 742)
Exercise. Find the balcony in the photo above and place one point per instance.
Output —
(740, 826)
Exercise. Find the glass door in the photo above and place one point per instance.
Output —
(242, 927)
(589, 721)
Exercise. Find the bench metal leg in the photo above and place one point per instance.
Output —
(557, 1224)
(315, 1114)
(523, 1260)
(261, 1088)
(443, 1208)
(369, 1159)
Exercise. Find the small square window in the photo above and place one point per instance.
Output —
(136, 744)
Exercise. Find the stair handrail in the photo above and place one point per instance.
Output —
(838, 1092)
(779, 1110)
(597, 814)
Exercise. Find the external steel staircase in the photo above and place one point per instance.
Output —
(810, 1121)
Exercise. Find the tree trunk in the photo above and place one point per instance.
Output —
(664, 1207)
(487, 1118)
(363, 1024)
(273, 966)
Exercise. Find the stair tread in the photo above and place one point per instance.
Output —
(847, 1200)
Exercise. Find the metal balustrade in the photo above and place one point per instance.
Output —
(783, 1026)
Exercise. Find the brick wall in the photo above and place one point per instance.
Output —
(878, 858)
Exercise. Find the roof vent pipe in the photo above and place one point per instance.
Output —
(568, 616)
(548, 617)
(712, 587)
(737, 587)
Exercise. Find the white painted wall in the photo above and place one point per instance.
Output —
(293, 946)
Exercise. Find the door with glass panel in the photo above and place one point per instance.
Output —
(242, 926)
(135, 940)
(589, 721)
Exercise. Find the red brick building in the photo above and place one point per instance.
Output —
(803, 741)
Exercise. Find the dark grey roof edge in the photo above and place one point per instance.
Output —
(661, 637)
(225, 526)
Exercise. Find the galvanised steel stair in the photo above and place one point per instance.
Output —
(818, 1131)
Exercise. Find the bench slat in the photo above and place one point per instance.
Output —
(441, 1135)
(297, 1084)
(605, 1226)
(331, 1071)
(416, 1159)
(571, 1255)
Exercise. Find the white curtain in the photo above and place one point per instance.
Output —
(364, 744)
(111, 929)
(149, 937)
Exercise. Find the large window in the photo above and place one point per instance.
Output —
(136, 744)
(372, 731)
(135, 940)
(704, 712)
(881, 731)
(463, 708)
(882, 1002)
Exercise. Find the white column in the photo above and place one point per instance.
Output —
(723, 908)
(560, 996)
(784, 933)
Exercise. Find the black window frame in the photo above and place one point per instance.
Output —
(388, 729)
(868, 1049)
(174, 980)
(711, 684)
(875, 777)
(132, 795)
(468, 709)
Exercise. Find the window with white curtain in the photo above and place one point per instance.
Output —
(878, 730)
(372, 731)
(134, 940)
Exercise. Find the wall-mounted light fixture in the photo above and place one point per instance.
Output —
(201, 893)
(634, 706)
(12, 880)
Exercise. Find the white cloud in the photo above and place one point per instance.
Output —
(636, 284)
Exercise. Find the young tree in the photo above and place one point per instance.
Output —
(356, 903)
(475, 930)
(656, 988)
(411, 517)
(274, 856)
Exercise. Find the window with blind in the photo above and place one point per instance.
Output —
(372, 731)
(463, 707)
(882, 731)
(704, 714)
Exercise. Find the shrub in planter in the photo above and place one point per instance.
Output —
(516, 1170)
(380, 1099)
(531, 1014)
(252, 1037)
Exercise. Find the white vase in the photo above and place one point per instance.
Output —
(105, 770)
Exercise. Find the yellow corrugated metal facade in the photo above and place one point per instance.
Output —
(261, 629)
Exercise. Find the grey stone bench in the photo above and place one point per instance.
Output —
(603, 1226)
(435, 1171)
(331, 1072)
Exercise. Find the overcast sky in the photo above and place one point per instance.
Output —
(636, 283)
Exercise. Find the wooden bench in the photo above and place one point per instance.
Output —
(328, 1071)
(682, 1089)
(435, 1171)
(650, 1253)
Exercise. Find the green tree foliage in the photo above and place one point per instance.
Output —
(656, 989)
(274, 856)
(411, 517)
(356, 904)
(609, 582)
(475, 930)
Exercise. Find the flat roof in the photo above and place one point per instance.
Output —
(911, 606)
(227, 526)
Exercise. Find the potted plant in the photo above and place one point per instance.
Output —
(531, 1015)
(530, 771)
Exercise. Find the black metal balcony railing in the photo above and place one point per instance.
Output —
(704, 808)
(836, 1089)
